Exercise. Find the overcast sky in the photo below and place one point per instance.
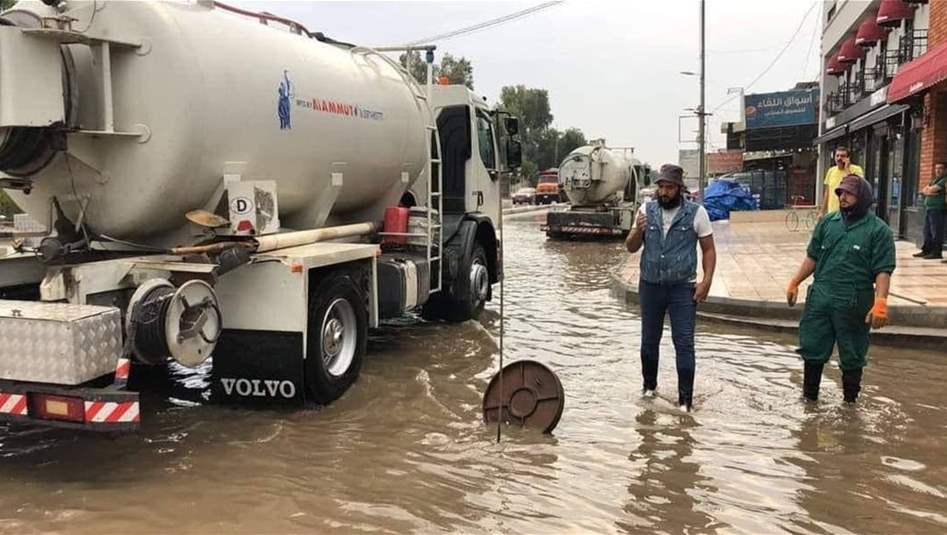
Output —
(611, 67)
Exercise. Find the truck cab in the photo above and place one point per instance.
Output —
(548, 189)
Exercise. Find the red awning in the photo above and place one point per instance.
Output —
(869, 33)
(915, 76)
(892, 12)
(835, 67)
(850, 52)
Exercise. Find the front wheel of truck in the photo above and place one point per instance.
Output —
(473, 289)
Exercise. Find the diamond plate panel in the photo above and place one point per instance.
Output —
(58, 343)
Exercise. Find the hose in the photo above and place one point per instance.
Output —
(148, 323)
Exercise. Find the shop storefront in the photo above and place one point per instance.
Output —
(883, 139)
(777, 139)
(866, 52)
(920, 85)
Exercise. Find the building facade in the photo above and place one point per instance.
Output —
(865, 45)
(775, 139)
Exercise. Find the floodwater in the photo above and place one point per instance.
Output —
(405, 450)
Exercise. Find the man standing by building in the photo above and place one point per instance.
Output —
(851, 253)
(936, 207)
(670, 229)
(833, 177)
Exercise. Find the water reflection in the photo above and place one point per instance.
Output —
(665, 474)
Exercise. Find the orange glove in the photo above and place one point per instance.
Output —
(792, 293)
(878, 315)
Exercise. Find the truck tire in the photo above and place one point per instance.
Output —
(337, 338)
(474, 285)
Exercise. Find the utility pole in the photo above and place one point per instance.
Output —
(557, 146)
(701, 133)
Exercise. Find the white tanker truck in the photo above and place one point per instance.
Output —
(603, 186)
(215, 182)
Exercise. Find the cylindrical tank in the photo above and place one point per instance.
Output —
(594, 174)
(218, 93)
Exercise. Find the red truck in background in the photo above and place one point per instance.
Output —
(548, 189)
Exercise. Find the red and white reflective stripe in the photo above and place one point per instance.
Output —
(111, 412)
(121, 371)
(583, 230)
(14, 404)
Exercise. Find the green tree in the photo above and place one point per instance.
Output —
(553, 145)
(6, 4)
(530, 105)
(458, 70)
(571, 139)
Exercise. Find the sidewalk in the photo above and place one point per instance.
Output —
(757, 255)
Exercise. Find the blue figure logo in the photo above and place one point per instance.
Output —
(283, 107)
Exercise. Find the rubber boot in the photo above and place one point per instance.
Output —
(851, 384)
(649, 373)
(812, 377)
(685, 389)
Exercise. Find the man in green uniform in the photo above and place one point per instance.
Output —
(852, 255)
(936, 208)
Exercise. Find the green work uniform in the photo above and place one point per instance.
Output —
(848, 258)
(939, 201)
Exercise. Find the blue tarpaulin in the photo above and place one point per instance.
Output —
(723, 196)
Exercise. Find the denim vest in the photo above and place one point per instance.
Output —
(671, 259)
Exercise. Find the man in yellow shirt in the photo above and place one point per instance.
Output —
(833, 177)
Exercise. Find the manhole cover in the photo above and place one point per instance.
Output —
(532, 396)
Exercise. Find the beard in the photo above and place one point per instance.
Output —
(669, 202)
(854, 212)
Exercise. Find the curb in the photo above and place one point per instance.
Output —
(769, 316)
(530, 208)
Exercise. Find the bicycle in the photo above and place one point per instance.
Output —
(808, 220)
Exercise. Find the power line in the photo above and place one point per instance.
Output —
(486, 24)
(776, 59)
(805, 66)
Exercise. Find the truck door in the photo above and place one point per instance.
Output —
(484, 184)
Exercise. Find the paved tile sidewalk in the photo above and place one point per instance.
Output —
(755, 261)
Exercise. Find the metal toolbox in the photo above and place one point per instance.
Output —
(58, 343)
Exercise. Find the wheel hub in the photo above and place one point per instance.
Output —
(339, 337)
(479, 281)
(333, 337)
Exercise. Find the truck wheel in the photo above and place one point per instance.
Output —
(338, 333)
(475, 287)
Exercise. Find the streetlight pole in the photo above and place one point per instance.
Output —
(702, 163)
(557, 145)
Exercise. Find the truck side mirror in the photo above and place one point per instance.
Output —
(514, 153)
(511, 125)
(647, 176)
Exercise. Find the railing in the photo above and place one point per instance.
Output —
(856, 88)
(876, 78)
(913, 44)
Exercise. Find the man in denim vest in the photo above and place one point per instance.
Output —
(670, 228)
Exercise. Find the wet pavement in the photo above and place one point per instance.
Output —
(405, 450)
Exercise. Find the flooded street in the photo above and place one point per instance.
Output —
(405, 450)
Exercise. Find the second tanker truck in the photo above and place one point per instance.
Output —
(603, 186)
(225, 185)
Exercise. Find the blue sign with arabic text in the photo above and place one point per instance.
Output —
(785, 108)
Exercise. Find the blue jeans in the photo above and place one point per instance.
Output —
(934, 232)
(677, 300)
